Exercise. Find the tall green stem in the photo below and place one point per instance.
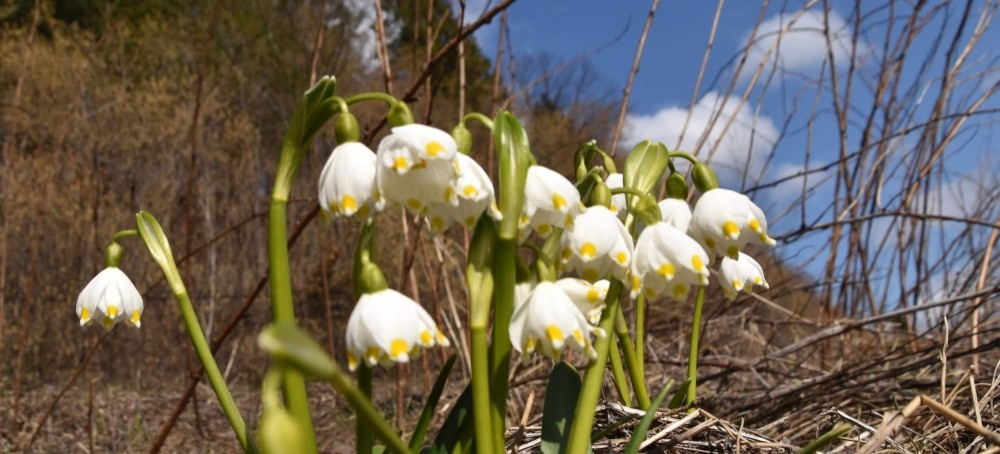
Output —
(212, 372)
(362, 429)
(618, 373)
(503, 309)
(481, 404)
(692, 375)
(640, 330)
(583, 420)
(635, 372)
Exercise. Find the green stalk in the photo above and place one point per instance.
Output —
(363, 409)
(692, 374)
(212, 372)
(293, 383)
(618, 373)
(640, 331)
(486, 121)
(635, 371)
(504, 275)
(583, 420)
(362, 430)
(481, 404)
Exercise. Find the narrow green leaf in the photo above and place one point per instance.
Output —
(456, 422)
(431, 405)
(678, 400)
(640, 431)
(560, 403)
(287, 342)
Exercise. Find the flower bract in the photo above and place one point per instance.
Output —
(108, 299)
(386, 327)
(548, 321)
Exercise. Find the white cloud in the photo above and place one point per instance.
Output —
(803, 46)
(746, 144)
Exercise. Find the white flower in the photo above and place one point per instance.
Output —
(347, 183)
(725, 221)
(413, 145)
(548, 321)
(589, 298)
(676, 212)
(386, 326)
(473, 194)
(740, 274)
(109, 298)
(667, 261)
(597, 245)
(618, 201)
(427, 184)
(550, 200)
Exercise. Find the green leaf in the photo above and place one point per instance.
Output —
(679, 397)
(378, 449)
(560, 404)
(431, 405)
(287, 342)
(640, 431)
(457, 421)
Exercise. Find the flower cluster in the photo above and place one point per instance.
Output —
(417, 167)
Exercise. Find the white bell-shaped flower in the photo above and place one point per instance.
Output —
(548, 321)
(386, 327)
(618, 202)
(473, 194)
(740, 275)
(347, 183)
(588, 297)
(725, 221)
(109, 298)
(415, 145)
(676, 212)
(598, 244)
(420, 187)
(550, 200)
(667, 262)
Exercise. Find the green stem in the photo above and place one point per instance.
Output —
(362, 430)
(481, 403)
(692, 374)
(504, 275)
(628, 190)
(371, 96)
(361, 403)
(635, 371)
(686, 156)
(583, 420)
(486, 121)
(294, 384)
(618, 373)
(212, 372)
(124, 234)
(640, 331)
(826, 439)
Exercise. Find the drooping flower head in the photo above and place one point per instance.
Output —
(550, 200)
(676, 212)
(387, 326)
(598, 245)
(618, 202)
(416, 167)
(667, 262)
(725, 221)
(740, 275)
(588, 297)
(548, 321)
(347, 183)
(472, 193)
(108, 299)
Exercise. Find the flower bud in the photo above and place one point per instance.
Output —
(645, 166)
(399, 115)
(347, 129)
(677, 186)
(703, 177)
(600, 195)
(463, 138)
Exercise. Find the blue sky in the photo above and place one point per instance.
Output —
(769, 134)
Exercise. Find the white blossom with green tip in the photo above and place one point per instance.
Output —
(387, 326)
(108, 299)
